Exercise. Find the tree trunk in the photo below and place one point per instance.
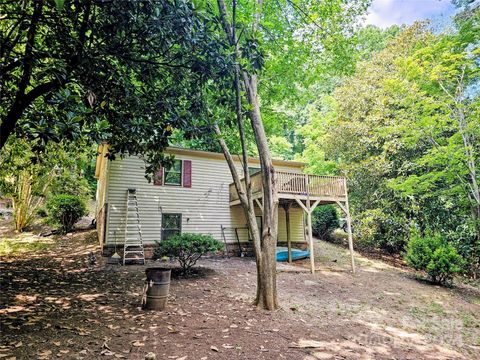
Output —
(265, 243)
(468, 146)
(266, 263)
(472, 185)
(21, 201)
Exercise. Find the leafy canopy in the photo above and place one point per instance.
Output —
(126, 72)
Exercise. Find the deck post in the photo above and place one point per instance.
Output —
(309, 221)
(349, 226)
(286, 208)
(310, 238)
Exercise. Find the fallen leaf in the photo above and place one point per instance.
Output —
(304, 344)
(172, 329)
(138, 343)
(214, 348)
(106, 352)
(44, 353)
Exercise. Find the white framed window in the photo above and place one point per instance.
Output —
(172, 175)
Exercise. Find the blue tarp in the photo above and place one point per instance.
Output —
(282, 254)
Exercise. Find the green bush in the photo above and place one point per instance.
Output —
(187, 248)
(42, 212)
(377, 230)
(464, 238)
(433, 254)
(324, 221)
(65, 211)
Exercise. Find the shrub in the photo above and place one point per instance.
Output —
(65, 210)
(464, 238)
(377, 230)
(187, 248)
(42, 212)
(433, 254)
(324, 221)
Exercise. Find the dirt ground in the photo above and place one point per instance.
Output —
(55, 305)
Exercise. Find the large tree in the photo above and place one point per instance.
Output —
(131, 72)
(405, 129)
(122, 71)
(261, 37)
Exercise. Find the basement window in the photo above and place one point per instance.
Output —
(173, 174)
(171, 225)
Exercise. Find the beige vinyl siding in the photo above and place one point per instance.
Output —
(204, 207)
(296, 224)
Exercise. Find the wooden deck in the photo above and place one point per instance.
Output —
(307, 191)
(327, 189)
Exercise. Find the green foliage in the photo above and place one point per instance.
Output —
(404, 129)
(42, 212)
(433, 254)
(127, 72)
(18, 246)
(25, 176)
(65, 210)
(187, 248)
(324, 221)
(280, 147)
(296, 48)
(72, 173)
(28, 175)
(377, 230)
(371, 39)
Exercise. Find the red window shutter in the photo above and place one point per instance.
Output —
(158, 177)
(187, 173)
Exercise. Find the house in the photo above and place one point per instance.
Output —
(197, 195)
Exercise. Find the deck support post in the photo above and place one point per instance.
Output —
(286, 208)
(350, 238)
(346, 210)
(310, 238)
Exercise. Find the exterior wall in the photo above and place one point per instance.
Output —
(204, 207)
(296, 224)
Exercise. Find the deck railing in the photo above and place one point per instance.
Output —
(299, 184)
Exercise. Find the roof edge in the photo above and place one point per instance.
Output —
(213, 155)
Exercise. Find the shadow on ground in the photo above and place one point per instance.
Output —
(54, 304)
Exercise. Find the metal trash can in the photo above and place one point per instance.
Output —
(157, 288)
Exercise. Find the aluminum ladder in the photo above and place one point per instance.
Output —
(133, 245)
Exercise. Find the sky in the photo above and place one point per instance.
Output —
(384, 13)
